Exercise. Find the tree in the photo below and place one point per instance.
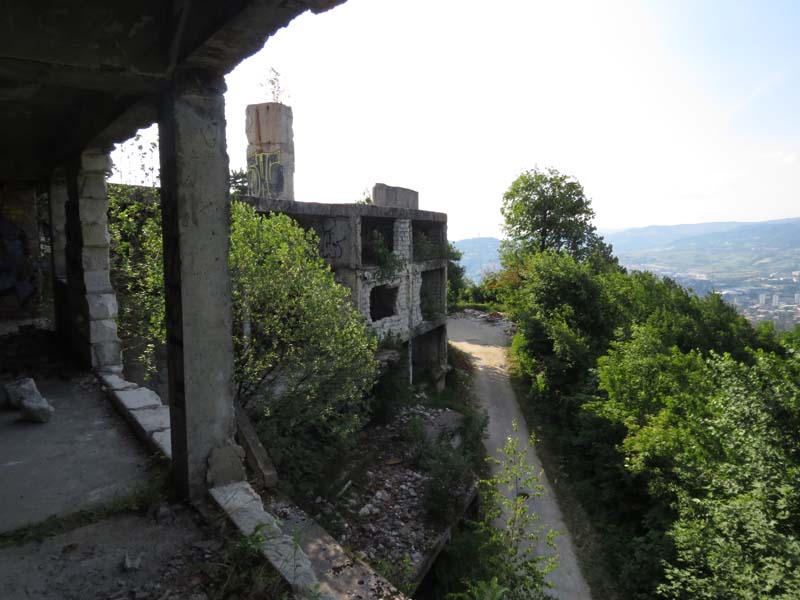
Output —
(304, 358)
(545, 210)
(456, 282)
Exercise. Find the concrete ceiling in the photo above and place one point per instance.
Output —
(86, 74)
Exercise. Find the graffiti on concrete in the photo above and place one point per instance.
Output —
(265, 175)
(329, 247)
(16, 275)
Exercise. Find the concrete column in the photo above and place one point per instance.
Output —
(92, 302)
(196, 229)
(58, 198)
(58, 223)
(270, 151)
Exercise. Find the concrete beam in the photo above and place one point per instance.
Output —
(196, 231)
(118, 80)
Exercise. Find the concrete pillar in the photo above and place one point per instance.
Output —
(91, 299)
(196, 229)
(58, 198)
(270, 151)
(58, 223)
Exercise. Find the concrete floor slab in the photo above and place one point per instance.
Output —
(87, 563)
(84, 457)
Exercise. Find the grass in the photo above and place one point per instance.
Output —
(156, 489)
(587, 542)
(242, 572)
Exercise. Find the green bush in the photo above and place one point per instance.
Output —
(304, 358)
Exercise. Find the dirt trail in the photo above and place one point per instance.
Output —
(486, 343)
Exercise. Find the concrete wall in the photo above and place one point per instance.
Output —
(339, 227)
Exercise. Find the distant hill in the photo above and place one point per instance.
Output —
(722, 252)
(480, 254)
(719, 251)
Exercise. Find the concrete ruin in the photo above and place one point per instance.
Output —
(391, 255)
(74, 81)
(72, 84)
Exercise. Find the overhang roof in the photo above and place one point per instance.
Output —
(85, 74)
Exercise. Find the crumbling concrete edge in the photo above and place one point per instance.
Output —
(143, 410)
(244, 508)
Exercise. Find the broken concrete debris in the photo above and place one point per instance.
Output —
(225, 465)
(24, 396)
(36, 409)
(20, 389)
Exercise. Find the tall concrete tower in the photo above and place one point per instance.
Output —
(270, 151)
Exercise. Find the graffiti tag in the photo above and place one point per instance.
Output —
(330, 247)
(265, 175)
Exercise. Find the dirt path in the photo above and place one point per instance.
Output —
(486, 343)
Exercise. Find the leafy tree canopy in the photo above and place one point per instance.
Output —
(546, 210)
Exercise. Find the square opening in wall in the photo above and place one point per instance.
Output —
(377, 240)
(429, 240)
(382, 302)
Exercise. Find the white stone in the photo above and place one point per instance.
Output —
(102, 306)
(115, 382)
(96, 161)
(21, 390)
(104, 330)
(136, 399)
(95, 234)
(97, 281)
(150, 420)
(36, 410)
(163, 441)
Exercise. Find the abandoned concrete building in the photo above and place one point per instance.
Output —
(74, 81)
(391, 255)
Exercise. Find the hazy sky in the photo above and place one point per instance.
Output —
(667, 111)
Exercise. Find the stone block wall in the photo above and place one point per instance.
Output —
(91, 319)
(396, 325)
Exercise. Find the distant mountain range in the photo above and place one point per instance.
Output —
(480, 255)
(724, 252)
(715, 251)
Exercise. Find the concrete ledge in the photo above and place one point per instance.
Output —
(163, 442)
(426, 326)
(143, 410)
(135, 399)
(114, 382)
(246, 510)
(151, 420)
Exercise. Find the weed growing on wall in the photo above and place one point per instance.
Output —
(378, 252)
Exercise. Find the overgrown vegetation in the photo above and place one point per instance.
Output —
(241, 571)
(673, 417)
(499, 553)
(425, 248)
(304, 358)
(376, 251)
